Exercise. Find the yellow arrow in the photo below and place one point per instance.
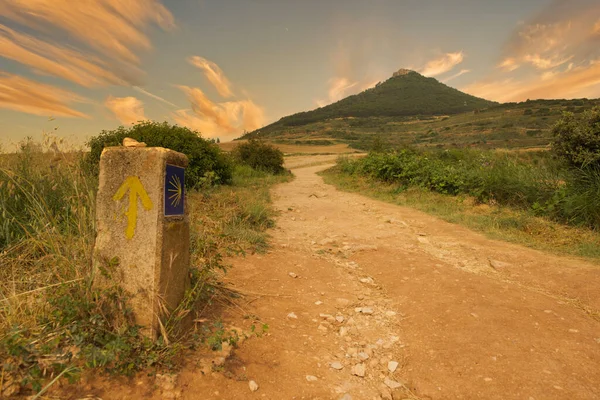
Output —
(135, 187)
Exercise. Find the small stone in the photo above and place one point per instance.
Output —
(352, 351)
(385, 393)
(129, 142)
(392, 365)
(548, 311)
(487, 379)
(474, 315)
(390, 313)
(363, 356)
(325, 316)
(293, 218)
(573, 331)
(311, 378)
(359, 370)
(392, 384)
(367, 280)
(346, 397)
(322, 328)
(253, 386)
(292, 316)
(367, 310)
(342, 302)
(343, 331)
(498, 264)
(336, 365)
(318, 302)
(339, 318)
(293, 275)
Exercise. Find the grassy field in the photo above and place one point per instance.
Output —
(54, 323)
(517, 197)
(524, 125)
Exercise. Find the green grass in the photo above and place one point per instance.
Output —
(497, 222)
(525, 125)
(53, 320)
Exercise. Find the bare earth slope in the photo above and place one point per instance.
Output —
(378, 283)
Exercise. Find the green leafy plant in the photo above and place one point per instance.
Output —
(204, 156)
(260, 156)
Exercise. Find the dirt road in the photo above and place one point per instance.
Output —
(381, 288)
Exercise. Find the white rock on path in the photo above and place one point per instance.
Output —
(359, 370)
(392, 365)
(253, 386)
(311, 378)
(336, 365)
(392, 384)
(292, 316)
(293, 275)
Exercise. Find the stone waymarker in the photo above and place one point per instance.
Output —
(142, 222)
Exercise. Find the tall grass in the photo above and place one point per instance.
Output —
(53, 320)
(528, 181)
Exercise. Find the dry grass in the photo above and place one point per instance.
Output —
(341, 148)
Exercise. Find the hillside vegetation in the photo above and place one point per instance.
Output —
(413, 110)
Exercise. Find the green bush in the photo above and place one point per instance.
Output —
(260, 156)
(577, 140)
(207, 162)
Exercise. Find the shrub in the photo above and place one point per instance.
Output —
(207, 161)
(577, 140)
(260, 156)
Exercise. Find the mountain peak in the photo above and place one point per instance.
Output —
(402, 71)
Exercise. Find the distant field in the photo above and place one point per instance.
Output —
(524, 125)
(336, 148)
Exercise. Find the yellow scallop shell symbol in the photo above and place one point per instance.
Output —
(175, 191)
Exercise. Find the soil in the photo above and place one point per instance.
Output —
(465, 317)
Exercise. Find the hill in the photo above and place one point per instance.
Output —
(406, 93)
(410, 109)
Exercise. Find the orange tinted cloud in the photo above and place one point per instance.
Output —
(225, 120)
(443, 64)
(62, 62)
(214, 74)
(569, 84)
(113, 27)
(24, 95)
(128, 110)
(460, 73)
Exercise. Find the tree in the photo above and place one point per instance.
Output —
(577, 139)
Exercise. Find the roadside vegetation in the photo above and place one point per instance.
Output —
(548, 200)
(54, 323)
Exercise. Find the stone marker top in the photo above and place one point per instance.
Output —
(171, 156)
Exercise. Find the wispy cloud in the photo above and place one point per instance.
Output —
(225, 119)
(147, 93)
(128, 110)
(112, 27)
(214, 74)
(24, 95)
(461, 73)
(442, 64)
(104, 37)
(83, 69)
(554, 54)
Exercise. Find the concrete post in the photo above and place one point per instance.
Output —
(142, 222)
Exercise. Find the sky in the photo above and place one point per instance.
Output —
(222, 67)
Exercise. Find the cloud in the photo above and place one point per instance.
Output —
(225, 120)
(568, 84)
(509, 64)
(554, 54)
(443, 64)
(214, 74)
(461, 73)
(140, 90)
(50, 59)
(596, 30)
(112, 27)
(109, 33)
(24, 95)
(128, 110)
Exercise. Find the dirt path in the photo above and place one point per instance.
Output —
(464, 317)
